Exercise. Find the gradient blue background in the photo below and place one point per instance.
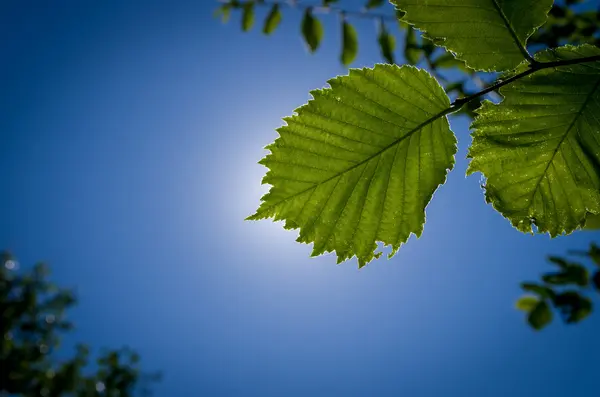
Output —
(130, 133)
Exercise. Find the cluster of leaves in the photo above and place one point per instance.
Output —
(565, 25)
(33, 317)
(564, 290)
(360, 162)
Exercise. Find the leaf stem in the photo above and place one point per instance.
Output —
(533, 67)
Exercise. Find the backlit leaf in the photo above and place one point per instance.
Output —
(486, 34)
(349, 43)
(312, 30)
(273, 20)
(592, 222)
(360, 162)
(527, 303)
(540, 148)
(247, 16)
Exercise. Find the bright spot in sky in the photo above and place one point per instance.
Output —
(10, 264)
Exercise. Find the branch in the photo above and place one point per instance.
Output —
(320, 8)
(533, 67)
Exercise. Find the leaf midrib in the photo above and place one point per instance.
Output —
(568, 131)
(512, 31)
(430, 120)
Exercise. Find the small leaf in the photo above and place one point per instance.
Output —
(374, 4)
(540, 316)
(540, 290)
(247, 16)
(273, 20)
(360, 162)
(312, 30)
(527, 303)
(486, 34)
(412, 52)
(349, 43)
(387, 43)
(539, 148)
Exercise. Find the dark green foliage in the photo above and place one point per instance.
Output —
(312, 30)
(349, 43)
(572, 303)
(33, 317)
(387, 43)
(540, 315)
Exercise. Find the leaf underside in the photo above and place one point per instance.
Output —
(486, 34)
(540, 148)
(360, 162)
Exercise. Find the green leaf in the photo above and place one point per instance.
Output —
(540, 315)
(539, 148)
(374, 4)
(527, 303)
(273, 20)
(360, 162)
(349, 43)
(387, 43)
(540, 290)
(447, 60)
(247, 16)
(592, 222)
(412, 52)
(312, 30)
(486, 34)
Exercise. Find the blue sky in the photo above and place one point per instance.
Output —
(130, 134)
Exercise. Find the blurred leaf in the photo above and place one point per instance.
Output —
(540, 290)
(447, 61)
(412, 52)
(596, 280)
(224, 11)
(572, 274)
(327, 2)
(312, 30)
(387, 43)
(560, 262)
(540, 315)
(273, 20)
(573, 306)
(527, 303)
(349, 43)
(374, 4)
(247, 16)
